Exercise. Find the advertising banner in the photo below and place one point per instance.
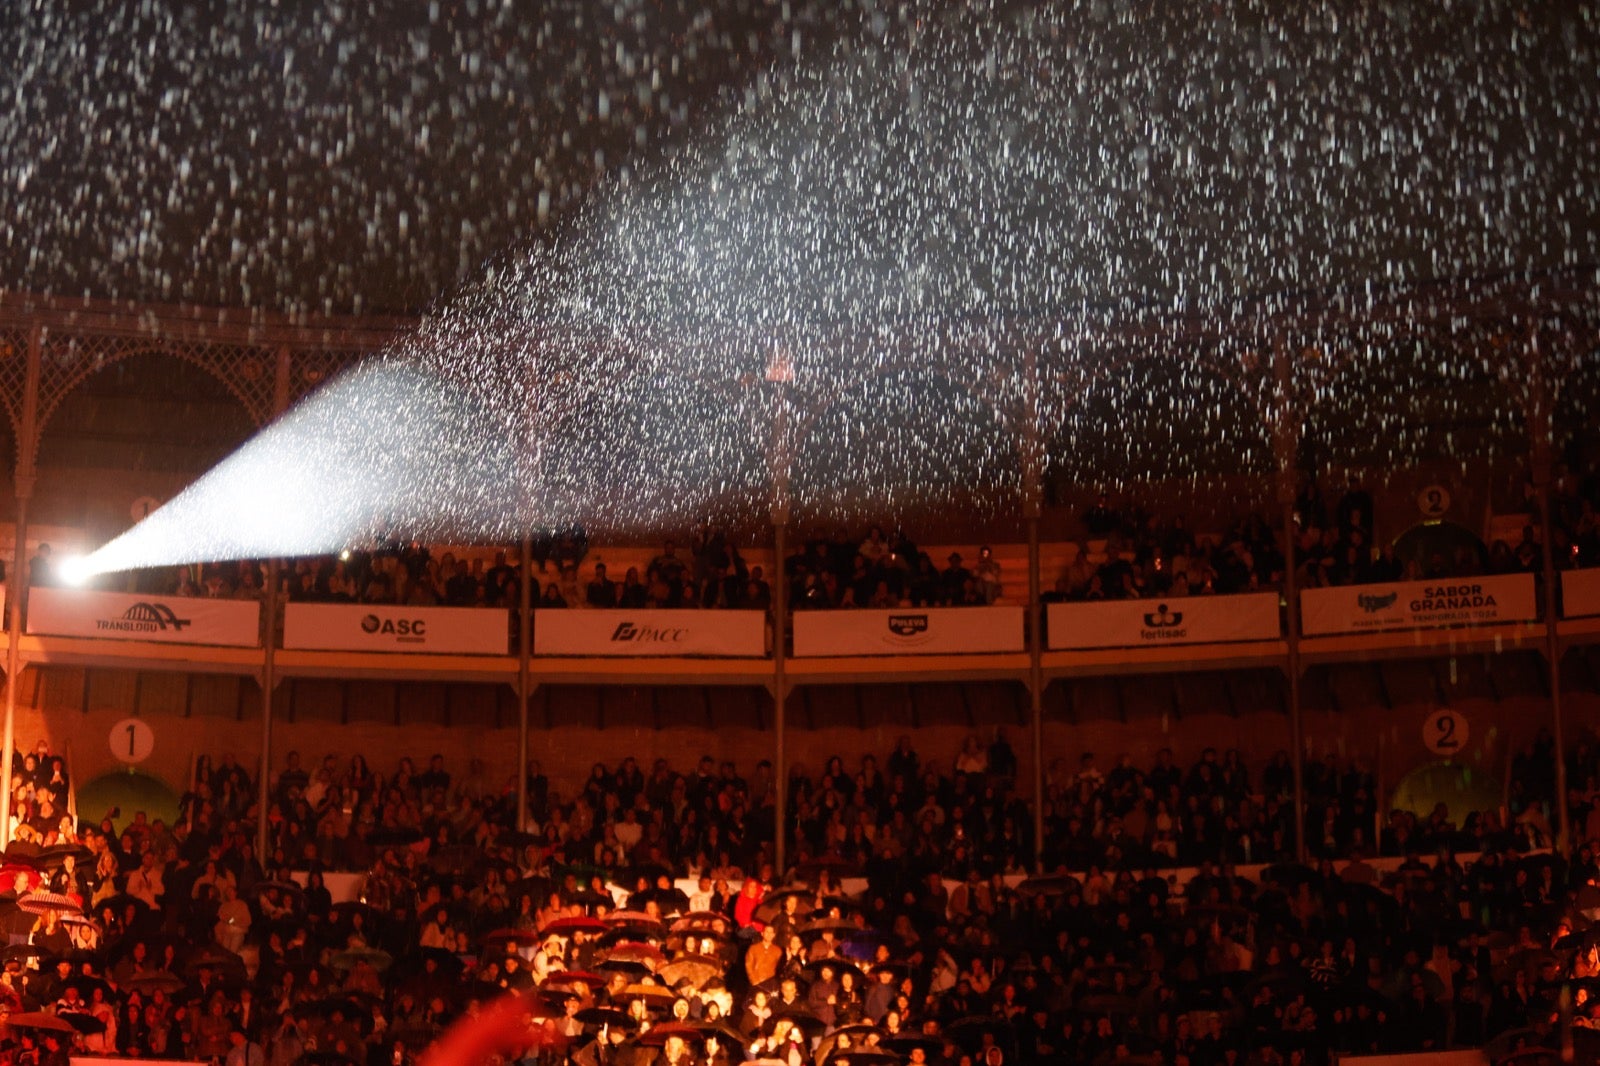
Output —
(1580, 593)
(1451, 601)
(1156, 623)
(381, 627)
(909, 631)
(734, 634)
(162, 619)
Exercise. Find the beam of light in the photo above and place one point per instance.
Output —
(380, 450)
(889, 215)
(74, 570)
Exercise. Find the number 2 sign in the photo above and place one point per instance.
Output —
(132, 741)
(1445, 732)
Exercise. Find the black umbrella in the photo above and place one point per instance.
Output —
(863, 1057)
(605, 1016)
(857, 1035)
(394, 835)
(968, 1032)
(772, 903)
(83, 1023)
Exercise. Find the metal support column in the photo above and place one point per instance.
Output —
(780, 691)
(281, 384)
(1036, 686)
(1542, 464)
(1297, 734)
(1031, 454)
(1286, 438)
(269, 682)
(524, 675)
(17, 591)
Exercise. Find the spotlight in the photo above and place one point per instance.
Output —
(74, 570)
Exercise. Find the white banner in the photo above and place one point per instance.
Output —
(1450, 601)
(908, 631)
(163, 619)
(380, 627)
(1580, 593)
(736, 634)
(1155, 623)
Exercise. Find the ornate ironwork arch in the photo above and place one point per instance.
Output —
(67, 361)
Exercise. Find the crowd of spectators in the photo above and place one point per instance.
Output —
(1127, 553)
(645, 912)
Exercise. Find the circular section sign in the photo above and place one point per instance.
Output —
(1433, 501)
(132, 740)
(1445, 732)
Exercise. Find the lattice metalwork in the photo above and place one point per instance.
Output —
(13, 375)
(311, 369)
(68, 359)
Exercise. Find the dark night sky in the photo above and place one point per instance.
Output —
(372, 157)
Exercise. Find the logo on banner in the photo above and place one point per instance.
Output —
(632, 633)
(404, 630)
(1162, 624)
(144, 617)
(1373, 604)
(907, 630)
(908, 625)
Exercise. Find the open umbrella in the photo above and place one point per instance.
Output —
(905, 1043)
(633, 951)
(632, 969)
(860, 1034)
(968, 1032)
(569, 926)
(840, 967)
(40, 902)
(836, 926)
(700, 921)
(290, 891)
(40, 1020)
(505, 939)
(1511, 1040)
(1111, 1003)
(865, 1056)
(394, 835)
(772, 904)
(24, 852)
(725, 1034)
(605, 1016)
(568, 978)
(156, 981)
(350, 958)
(696, 969)
(1058, 884)
(654, 996)
(214, 957)
(81, 1022)
(636, 921)
(660, 1034)
(56, 854)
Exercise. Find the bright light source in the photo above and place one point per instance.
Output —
(74, 570)
(345, 555)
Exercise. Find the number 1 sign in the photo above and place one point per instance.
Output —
(132, 741)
